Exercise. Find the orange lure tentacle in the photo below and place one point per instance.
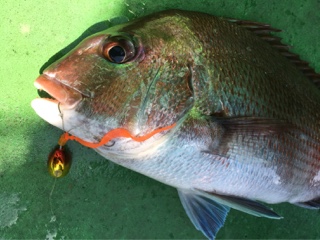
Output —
(59, 160)
(114, 133)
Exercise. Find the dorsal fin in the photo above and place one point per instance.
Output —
(264, 31)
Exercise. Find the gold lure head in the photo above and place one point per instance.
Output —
(59, 162)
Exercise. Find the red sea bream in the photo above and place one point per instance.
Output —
(217, 108)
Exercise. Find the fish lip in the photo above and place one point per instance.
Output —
(63, 94)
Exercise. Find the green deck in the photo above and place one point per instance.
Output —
(99, 199)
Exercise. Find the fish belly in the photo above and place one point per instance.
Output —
(188, 165)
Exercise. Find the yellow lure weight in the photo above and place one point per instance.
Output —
(59, 162)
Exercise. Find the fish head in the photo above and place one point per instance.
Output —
(135, 76)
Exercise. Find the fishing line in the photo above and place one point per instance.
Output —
(53, 217)
(61, 116)
(62, 121)
(56, 166)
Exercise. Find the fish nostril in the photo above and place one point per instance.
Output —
(190, 80)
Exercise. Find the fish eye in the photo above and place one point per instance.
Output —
(118, 50)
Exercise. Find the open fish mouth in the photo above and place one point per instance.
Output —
(56, 91)
(55, 98)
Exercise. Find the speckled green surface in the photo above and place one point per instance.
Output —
(99, 199)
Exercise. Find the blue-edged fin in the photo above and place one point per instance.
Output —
(313, 204)
(207, 215)
(242, 204)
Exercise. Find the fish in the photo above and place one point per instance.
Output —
(215, 107)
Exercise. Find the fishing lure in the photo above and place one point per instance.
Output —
(112, 134)
(59, 161)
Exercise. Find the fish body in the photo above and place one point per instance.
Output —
(244, 116)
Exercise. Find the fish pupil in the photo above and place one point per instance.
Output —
(117, 54)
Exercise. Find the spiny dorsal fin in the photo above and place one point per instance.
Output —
(264, 31)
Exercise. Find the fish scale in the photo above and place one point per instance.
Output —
(215, 107)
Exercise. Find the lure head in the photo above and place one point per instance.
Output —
(59, 162)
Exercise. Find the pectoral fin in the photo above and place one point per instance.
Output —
(253, 125)
(230, 128)
(207, 215)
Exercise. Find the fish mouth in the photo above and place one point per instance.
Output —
(55, 91)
